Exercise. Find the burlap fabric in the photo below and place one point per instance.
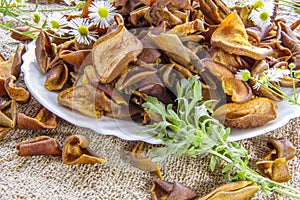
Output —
(46, 177)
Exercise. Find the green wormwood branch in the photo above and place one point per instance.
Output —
(190, 131)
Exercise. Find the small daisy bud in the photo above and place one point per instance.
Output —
(36, 18)
(243, 75)
(55, 24)
(292, 66)
(258, 4)
(297, 74)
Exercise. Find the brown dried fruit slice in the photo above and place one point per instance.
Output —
(8, 114)
(43, 119)
(21, 37)
(231, 36)
(256, 112)
(112, 52)
(21, 95)
(173, 47)
(42, 145)
(189, 28)
(43, 51)
(239, 91)
(276, 170)
(4, 131)
(2, 87)
(140, 161)
(159, 13)
(164, 190)
(57, 77)
(17, 60)
(283, 148)
(75, 58)
(214, 10)
(76, 151)
(82, 99)
(5, 68)
(239, 190)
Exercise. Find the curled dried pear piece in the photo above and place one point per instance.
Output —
(42, 145)
(8, 114)
(56, 77)
(21, 95)
(159, 12)
(256, 112)
(233, 62)
(2, 87)
(214, 10)
(76, 151)
(173, 47)
(43, 51)
(196, 26)
(276, 170)
(239, 91)
(17, 60)
(239, 190)
(140, 160)
(283, 148)
(231, 36)
(3, 131)
(290, 40)
(112, 52)
(81, 98)
(43, 119)
(162, 190)
(75, 58)
(5, 67)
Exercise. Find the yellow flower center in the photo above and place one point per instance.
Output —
(55, 24)
(258, 4)
(103, 12)
(264, 16)
(83, 30)
(36, 18)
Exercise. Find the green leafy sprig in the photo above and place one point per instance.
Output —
(190, 131)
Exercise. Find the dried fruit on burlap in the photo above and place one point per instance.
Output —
(76, 151)
(42, 119)
(41, 145)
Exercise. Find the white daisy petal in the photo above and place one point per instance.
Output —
(102, 13)
(261, 17)
(80, 29)
(230, 3)
(57, 23)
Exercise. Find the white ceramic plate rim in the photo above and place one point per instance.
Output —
(34, 80)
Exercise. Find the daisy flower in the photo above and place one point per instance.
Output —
(261, 17)
(80, 29)
(262, 12)
(102, 13)
(243, 75)
(57, 23)
(275, 74)
(37, 19)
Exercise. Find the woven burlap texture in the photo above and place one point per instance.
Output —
(46, 177)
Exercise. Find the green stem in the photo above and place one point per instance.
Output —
(293, 192)
(291, 2)
(16, 31)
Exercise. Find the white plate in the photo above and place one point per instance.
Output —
(123, 129)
